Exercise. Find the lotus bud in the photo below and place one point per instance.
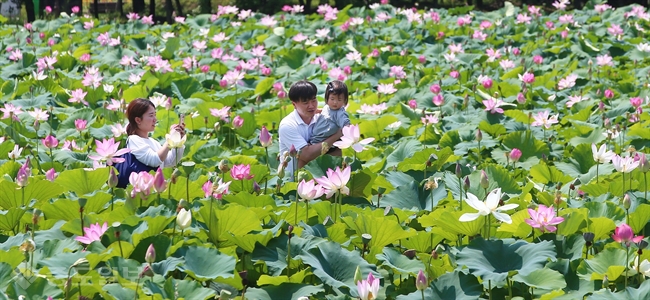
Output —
(431, 159)
(357, 275)
(515, 154)
(265, 137)
(627, 202)
(112, 178)
(116, 229)
(290, 230)
(292, 151)
(81, 265)
(82, 202)
(150, 256)
(389, 211)
(605, 282)
(485, 183)
(324, 148)
(381, 191)
(217, 125)
(644, 166)
(466, 184)
(421, 281)
(159, 183)
(256, 187)
(35, 215)
(223, 166)
(147, 271)
(410, 253)
(459, 171)
(182, 204)
(184, 218)
(479, 135)
(365, 238)
(175, 175)
(302, 175)
(281, 170)
(589, 238)
(224, 295)
(434, 254)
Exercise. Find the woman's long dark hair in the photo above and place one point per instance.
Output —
(136, 109)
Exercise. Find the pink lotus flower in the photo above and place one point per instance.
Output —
(368, 289)
(435, 88)
(624, 234)
(22, 177)
(80, 124)
(237, 122)
(50, 142)
(217, 190)
(352, 138)
(386, 89)
(413, 104)
(310, 190)
(542, 119)
(222, 113)
(265, 138)
(48, 9)
(493, 106)
(454, 74)
(438, 100)
(142, 183)
(51, 174)
(429, 119)
(636, 102)
(527, 77)
(515, 154)
(486, 82)
(241, 172)
(543, 218)
(624, 164)
(92, 233)
(159, 183)
(75, 9)
(537, 59)
(107, 150)
(609, 94)
(335, 181)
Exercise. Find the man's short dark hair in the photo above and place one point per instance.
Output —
(302, 90)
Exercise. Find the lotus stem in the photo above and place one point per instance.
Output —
(119, 243)
(81, 213)
(112, 198)
(296, 217)
(623, 181)
(645, 182)
(242, 185)
(307, 211)
(210, 220)
(597, 172)
(460, 191)
(266, 149)
(422, 291)
(627, 263)
(638, 267)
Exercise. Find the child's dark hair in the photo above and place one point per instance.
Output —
(336, 87)
(302, 90)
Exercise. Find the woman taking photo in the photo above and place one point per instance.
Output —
(149, 154)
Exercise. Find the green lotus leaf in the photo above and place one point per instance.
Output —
(32, 287)
(574, 220)
(400, 263)
(453, 286)
(171, 46)
(276, 251)
(6, 274)
(642, 292)
(196, 266)
(298, 277)
(335, 266)
(640, 217)
(544, 174)
(234, 220)
(248, 242)
(422, 241)
(151, 226)
(545, 279)
(595, 268)
(40, 190)
(172, 288)
(119, 292)
(288, 291)
(493, 260)
(527, 143)
(9, 219)
(518, 228)
(384, 230)
(405, 150)
(82, 181)
(449, 221)
(418, 160)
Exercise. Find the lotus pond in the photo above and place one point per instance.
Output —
(508, 156)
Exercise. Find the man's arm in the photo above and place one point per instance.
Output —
(311, 152)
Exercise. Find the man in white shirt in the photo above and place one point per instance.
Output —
(295, 128)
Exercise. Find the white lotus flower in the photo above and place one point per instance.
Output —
(601, 155)
(14, 154)
(490, 206)
(351, 138)
(184, 218)
(643, 268)
(174, 139)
